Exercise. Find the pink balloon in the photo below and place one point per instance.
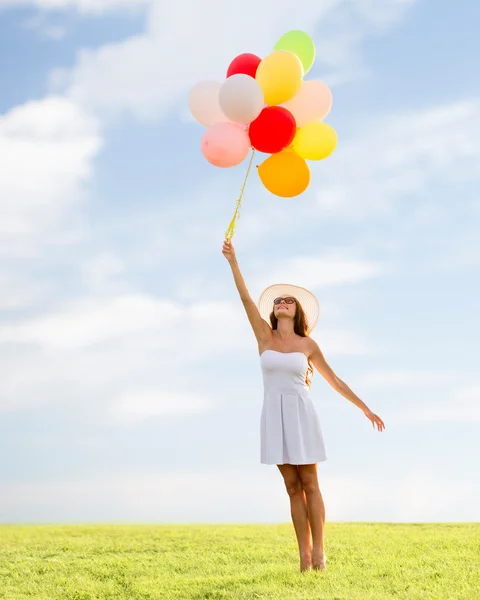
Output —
(225, 144)
(312, 103)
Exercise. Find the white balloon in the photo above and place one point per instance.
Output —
(203, 103)
(241, 98)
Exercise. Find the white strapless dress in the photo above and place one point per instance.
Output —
(290, 431)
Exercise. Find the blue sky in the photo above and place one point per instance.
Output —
(130, 385)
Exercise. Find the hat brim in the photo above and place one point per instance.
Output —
(307, 300)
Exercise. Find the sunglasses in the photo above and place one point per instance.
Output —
(288, 300)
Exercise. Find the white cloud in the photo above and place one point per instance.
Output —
(85, 349)
(467, 394)
(382, 14)
(183, 43)
(46, 151)
(187, 41)
(48, 30)
(83, 6)
(18, 291)
(396, 156)
(103, 271)
(92, 321)
(313, 272)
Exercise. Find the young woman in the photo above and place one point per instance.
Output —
(291, 437)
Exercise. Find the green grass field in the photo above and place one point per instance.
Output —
(142, 562)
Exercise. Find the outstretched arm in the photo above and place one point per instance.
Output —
(340, 386)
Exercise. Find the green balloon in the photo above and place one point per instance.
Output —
(301, 44)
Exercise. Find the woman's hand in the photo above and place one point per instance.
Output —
(228, 251)
(375, 419)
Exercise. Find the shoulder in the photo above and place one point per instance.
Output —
(312, 347)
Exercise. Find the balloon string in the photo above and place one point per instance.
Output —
(231, 227)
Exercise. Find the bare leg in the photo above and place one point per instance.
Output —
(299, 513)
(316, 512)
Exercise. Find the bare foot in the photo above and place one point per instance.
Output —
(319, 560)
(305, 561)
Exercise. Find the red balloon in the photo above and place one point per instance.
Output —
(246, 64)
(273, 129)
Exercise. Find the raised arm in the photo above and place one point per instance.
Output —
(261, 328)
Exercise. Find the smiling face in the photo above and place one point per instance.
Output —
(284, 305)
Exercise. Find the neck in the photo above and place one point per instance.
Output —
(285, 329)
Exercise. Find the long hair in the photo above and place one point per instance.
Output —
(300, 327)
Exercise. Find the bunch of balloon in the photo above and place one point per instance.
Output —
(266, 105)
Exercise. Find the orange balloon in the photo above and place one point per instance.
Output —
(285, 174)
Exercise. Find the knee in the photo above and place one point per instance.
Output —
(310, 486)
(294, 487)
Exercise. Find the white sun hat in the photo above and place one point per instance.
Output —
(307, 300)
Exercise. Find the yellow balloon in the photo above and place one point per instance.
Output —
(315, 141)
(285, 174)
(280, 76)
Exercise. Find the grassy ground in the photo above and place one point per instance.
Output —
(365, 561)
